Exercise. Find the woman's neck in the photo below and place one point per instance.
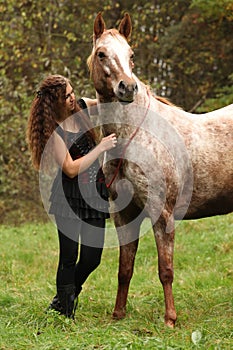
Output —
(69, 124)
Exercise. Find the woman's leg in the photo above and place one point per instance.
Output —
(68, 254)
(92, 242)
(65, 280)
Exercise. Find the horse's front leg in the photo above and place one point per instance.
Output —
(128, 241)
(164, 236)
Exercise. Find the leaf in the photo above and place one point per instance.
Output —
(196, 337)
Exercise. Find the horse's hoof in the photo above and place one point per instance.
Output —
(118, 315)
(170, 324)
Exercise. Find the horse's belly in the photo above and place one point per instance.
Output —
(223, 204)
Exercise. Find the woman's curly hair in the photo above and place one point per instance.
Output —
(49, 106)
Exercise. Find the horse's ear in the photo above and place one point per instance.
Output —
(125, 26)
(99, 26)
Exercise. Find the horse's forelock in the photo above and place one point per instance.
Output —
(112, 32)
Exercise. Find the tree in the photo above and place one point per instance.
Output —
(198, 50)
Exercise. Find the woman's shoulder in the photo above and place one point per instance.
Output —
(88, 105)
(59, 131)
(82, 104)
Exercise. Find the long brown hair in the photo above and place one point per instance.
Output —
(49, 106)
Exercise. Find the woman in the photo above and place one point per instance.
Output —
(79, 197)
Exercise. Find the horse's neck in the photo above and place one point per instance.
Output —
(143, 95)
(147, 99)
(158, 105)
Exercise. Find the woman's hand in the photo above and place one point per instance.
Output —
(74, 167)
(108, 142)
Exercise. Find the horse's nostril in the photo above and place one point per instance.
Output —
(135, 88)
(122, 86)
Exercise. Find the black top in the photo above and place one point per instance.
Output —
(86, 195)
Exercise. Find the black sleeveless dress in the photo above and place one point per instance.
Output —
(85, 196)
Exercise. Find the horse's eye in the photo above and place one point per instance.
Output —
(132, 60)
(101, 55)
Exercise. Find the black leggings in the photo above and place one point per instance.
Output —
(91, 236)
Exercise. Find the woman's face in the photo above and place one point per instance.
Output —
(70, 98)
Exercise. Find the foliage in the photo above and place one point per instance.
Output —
(202, 291)
(198, 50)
(183, 49)
(214, 9)
(221, 97)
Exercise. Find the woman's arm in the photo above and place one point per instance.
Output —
(74, 167)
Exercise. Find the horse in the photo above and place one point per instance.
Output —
(170, 164)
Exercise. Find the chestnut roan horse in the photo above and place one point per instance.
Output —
(172, 164)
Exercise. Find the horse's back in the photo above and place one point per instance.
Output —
(208, 181)
(212, 162)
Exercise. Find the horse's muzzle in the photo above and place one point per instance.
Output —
(126, 91)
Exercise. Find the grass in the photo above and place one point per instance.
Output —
(203, 290)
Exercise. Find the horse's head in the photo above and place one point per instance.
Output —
(111, 62)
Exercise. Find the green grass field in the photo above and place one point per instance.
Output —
(203, 292)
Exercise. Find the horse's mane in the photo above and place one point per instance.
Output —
(164, 100)
(89, 63)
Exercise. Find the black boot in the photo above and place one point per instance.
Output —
(55, 304)
(66, 297)
(77, 291)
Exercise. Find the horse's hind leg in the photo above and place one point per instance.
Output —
(165, 246)
(128, 251)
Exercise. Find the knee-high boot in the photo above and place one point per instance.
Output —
(56, 304)
(66, 297)
(77, 291)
